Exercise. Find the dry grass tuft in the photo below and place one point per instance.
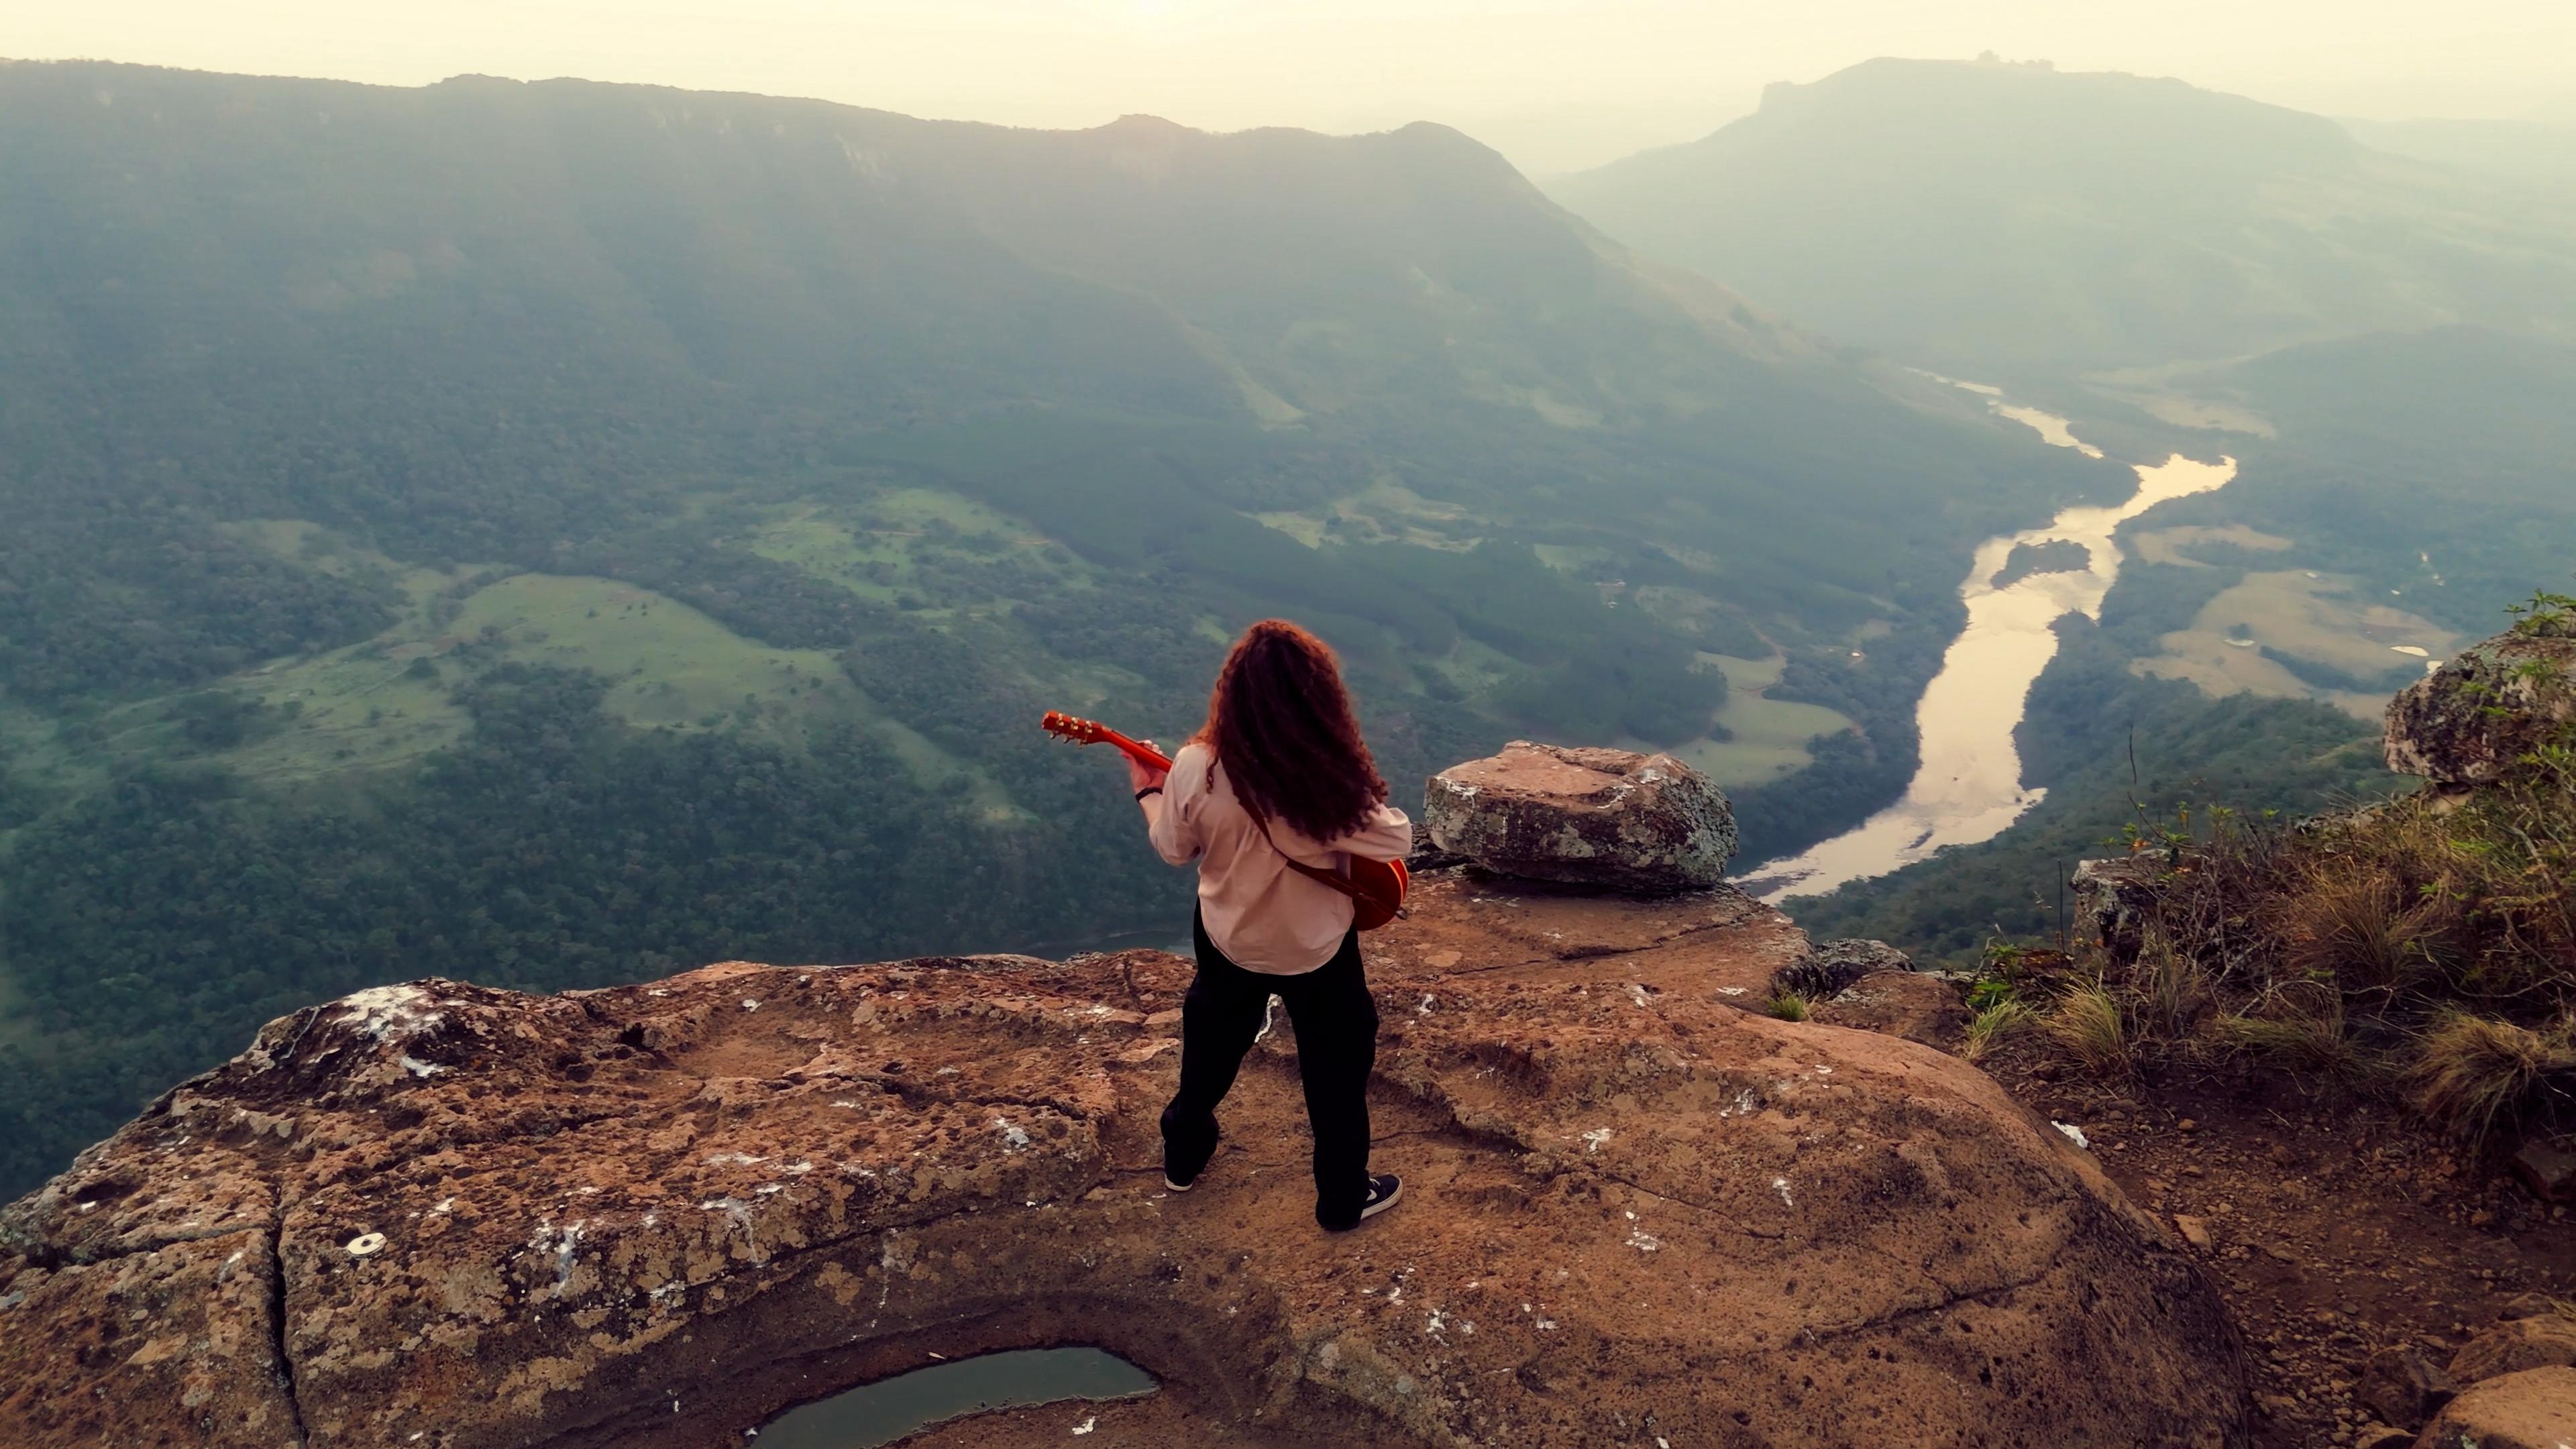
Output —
(1988, 1029)
(1786, 1005)
(2482, 1078)
(2167, 992)
(2302, 1029)
(2088, 1021)
(2352, 918)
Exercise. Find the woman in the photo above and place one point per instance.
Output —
(1278, 774)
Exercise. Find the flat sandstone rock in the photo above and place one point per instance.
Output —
(658, 1215)
(1615, 818)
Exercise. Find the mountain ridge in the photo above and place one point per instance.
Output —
(2022, 223)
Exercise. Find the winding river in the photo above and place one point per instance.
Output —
(1969, 788)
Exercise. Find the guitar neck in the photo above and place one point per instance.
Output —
(1142, 754)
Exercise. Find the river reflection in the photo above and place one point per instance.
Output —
(1969, 787)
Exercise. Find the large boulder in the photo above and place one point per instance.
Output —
(2405, 1387)
(655, 1216)
(2546, 1340)
(2472, 720)
(1642, 823)
(2533, 1409)
(1829, 968)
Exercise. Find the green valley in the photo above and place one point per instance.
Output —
(552, 532)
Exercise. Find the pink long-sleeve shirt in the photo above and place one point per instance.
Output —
(1262, 915)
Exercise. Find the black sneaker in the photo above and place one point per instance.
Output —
(1179, 1184)
(1384, 1190)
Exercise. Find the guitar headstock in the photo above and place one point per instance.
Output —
(1070, 727)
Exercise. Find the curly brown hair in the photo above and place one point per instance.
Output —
(1283, 729)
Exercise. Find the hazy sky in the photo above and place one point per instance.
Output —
(1553, 83)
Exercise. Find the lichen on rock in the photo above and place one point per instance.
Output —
(2474, 719)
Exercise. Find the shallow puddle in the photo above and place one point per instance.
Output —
(882, 1412)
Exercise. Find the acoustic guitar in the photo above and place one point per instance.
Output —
(1376, 887)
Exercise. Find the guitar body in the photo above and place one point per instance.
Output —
(1376, 887)
(1377, 891)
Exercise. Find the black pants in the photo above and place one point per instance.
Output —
(1336, 1048)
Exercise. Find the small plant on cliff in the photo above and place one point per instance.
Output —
(1786, 1005)
(2167, 992)
(2547, 616)
(2485, 1079)
(2089, 1022)
(2355, 921)
(1996, 1022)
(2302, 1028)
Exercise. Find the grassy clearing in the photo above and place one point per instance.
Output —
(1389, 512)
(2150, 391)
(675, 667)
(2327, 622)
(389, 701)
(2171, 546)
(834, 551)
(34, 752)
(879, 550)
(1769, 738)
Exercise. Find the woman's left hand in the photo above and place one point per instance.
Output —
(1141, 776)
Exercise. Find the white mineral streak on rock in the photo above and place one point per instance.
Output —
(380, 1012)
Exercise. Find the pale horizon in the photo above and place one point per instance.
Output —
(1555, 85)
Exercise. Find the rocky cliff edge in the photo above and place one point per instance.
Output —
(656, 1215)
